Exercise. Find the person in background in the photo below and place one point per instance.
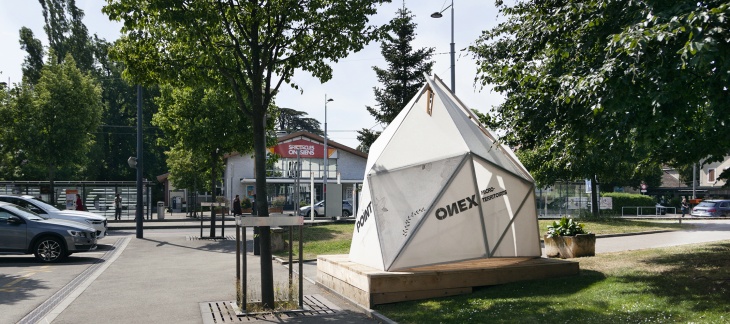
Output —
(685, 206)
(118, 207)
(237, 206)
(79, 202)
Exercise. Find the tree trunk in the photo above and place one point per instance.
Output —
(267, 280)
(213, 157)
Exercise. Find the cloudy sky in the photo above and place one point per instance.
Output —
(353, 79)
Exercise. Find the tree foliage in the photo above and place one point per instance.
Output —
(52, 123)
(291, 120)
(33, 62)
(403, 77)
(610, 88)
(247, 48)
(200, 122)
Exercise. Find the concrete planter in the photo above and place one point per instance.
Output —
(277, 210)
(565, 247)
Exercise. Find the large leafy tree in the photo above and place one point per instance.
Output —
(595, 87)
(199, 124)
(403, 76)
(53, 122)
(292, 120)
(249, 48)
(115, 139)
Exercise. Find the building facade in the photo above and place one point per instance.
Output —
(345, 170)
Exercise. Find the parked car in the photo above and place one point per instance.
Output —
(319, 209)
(712, 208)
(50, 240)
(43, 209)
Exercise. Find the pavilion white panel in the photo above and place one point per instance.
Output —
(450, 229)
(401, 198)
(439, 188)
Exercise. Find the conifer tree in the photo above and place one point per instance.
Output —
(403, 76)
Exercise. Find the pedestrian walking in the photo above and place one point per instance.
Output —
(79, 202)
(685, 207)
(118, 207)
(237, 206)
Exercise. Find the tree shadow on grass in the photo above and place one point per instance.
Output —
(699, 277)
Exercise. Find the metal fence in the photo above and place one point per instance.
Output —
(563, 199)
(97, 196)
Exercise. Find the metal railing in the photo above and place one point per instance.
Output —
(656, 210)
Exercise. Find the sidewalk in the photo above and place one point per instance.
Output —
(168, 279)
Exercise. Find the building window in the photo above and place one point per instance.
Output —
(711, 175)
(285, 168)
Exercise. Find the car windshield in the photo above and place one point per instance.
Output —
(26, 213)
(45, 204)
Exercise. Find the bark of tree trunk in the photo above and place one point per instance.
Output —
(213, 157)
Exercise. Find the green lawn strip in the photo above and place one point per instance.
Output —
(336, 238)
(321, 239)
(622, 226)
(688, 283)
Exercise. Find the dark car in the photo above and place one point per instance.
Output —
(712, 208)
(50, 240)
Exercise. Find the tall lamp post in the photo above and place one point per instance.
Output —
(439, 14)
(324, 178)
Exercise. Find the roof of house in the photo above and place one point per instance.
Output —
(316, 138)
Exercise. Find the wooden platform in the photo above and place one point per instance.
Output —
(367, 286)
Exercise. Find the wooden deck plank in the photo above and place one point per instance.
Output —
(368, 286)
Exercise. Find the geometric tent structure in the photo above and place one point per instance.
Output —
(439, 188)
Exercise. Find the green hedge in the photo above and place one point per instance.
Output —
(621, 199)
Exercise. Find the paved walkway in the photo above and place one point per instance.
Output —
(170, 278)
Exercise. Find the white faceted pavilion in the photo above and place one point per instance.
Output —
(438, 188)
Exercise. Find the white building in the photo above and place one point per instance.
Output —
(711, 171)
(345, 170)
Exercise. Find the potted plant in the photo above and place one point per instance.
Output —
(221, 206)
(566, 238)
(277, 204)
(246, 205)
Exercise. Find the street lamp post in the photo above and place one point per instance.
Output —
(438, 14)
(324, 178)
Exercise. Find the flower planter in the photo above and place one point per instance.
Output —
(570, 246)
(276, 210)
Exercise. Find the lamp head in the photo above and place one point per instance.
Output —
(132, 161)
(330, 99)
(436, 15)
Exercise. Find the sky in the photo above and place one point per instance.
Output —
(351, 86)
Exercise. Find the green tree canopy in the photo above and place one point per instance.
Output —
(53, 122)
(292, 120)
(403, 77)
(610, 88)
(248, 48)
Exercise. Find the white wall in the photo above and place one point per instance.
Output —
(719, 167)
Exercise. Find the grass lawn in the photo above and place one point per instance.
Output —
(321, 239)
(689, 283)
(336, 238)
(619, 225)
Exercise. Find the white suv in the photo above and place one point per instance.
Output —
(45, 210)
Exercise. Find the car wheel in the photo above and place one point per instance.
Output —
(49, 249)
(346, 213)
(316, 214)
